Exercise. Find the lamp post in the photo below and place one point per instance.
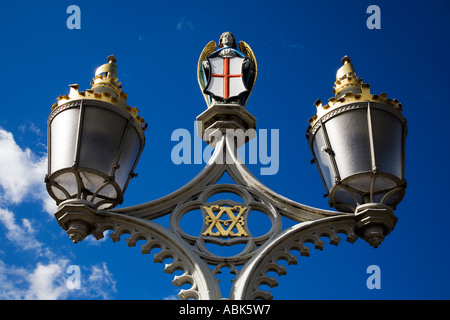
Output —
(95, 141)
(357, 141)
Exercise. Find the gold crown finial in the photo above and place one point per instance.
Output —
(105, 87)
(106, 76)
(349, 88)
(346, 79)
(346, 69)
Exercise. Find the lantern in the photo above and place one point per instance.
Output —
(94, 142)
(358, 144)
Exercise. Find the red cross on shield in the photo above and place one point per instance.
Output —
(226, 80)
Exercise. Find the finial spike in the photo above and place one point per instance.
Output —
(346, 69)
(346, 79)
(346, 59)
(112, 59)
(106, 77)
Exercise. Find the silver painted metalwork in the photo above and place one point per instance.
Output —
(86, 159)
(358, 142)
(373, 174)
(226, 219)
(260, 254)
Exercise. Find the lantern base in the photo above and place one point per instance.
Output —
(80, 184)
(226, 118)
(367, 188)
(374, 222)
(76, 217)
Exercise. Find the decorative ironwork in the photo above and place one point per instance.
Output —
(213, 221)
(225, 221)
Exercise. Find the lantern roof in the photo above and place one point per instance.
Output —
(349, 88)
(105, 87)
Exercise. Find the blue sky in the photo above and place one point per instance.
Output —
(299, 45)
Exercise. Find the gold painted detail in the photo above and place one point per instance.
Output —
(105, 87)
(212, 220)
(209, 49)
(349, 88)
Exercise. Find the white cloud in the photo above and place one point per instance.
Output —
(45, 275)
(100, 283)
(30, 126)
(289, 44)
(49, 282)
(20, 235)
(22, 174)
(184, 23)
(94, 242)
(45, 282)
(11, 280)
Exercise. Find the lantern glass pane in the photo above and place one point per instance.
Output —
(128, 157)
(68, 182)
(394, 198)
(384, 183)
(361, 182)
(323, 158)
(63, 137)
(101, 138)
(108, 191)
(91, 181)
(58, 193)
(341, 196)
(388, 137)
(105, 206)
(349, 138)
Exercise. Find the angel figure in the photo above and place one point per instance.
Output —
(228, 74)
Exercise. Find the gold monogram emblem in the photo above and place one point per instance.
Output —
(213, 220)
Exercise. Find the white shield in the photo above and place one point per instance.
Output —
(226, 78)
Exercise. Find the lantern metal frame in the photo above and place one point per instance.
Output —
(360, 197)
(82, 192)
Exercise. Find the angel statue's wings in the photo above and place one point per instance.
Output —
(201, 76)
(245, 49)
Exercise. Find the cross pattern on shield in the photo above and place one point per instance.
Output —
(226, 79)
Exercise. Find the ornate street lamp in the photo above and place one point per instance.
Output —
(358, 143)
(95, 140)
